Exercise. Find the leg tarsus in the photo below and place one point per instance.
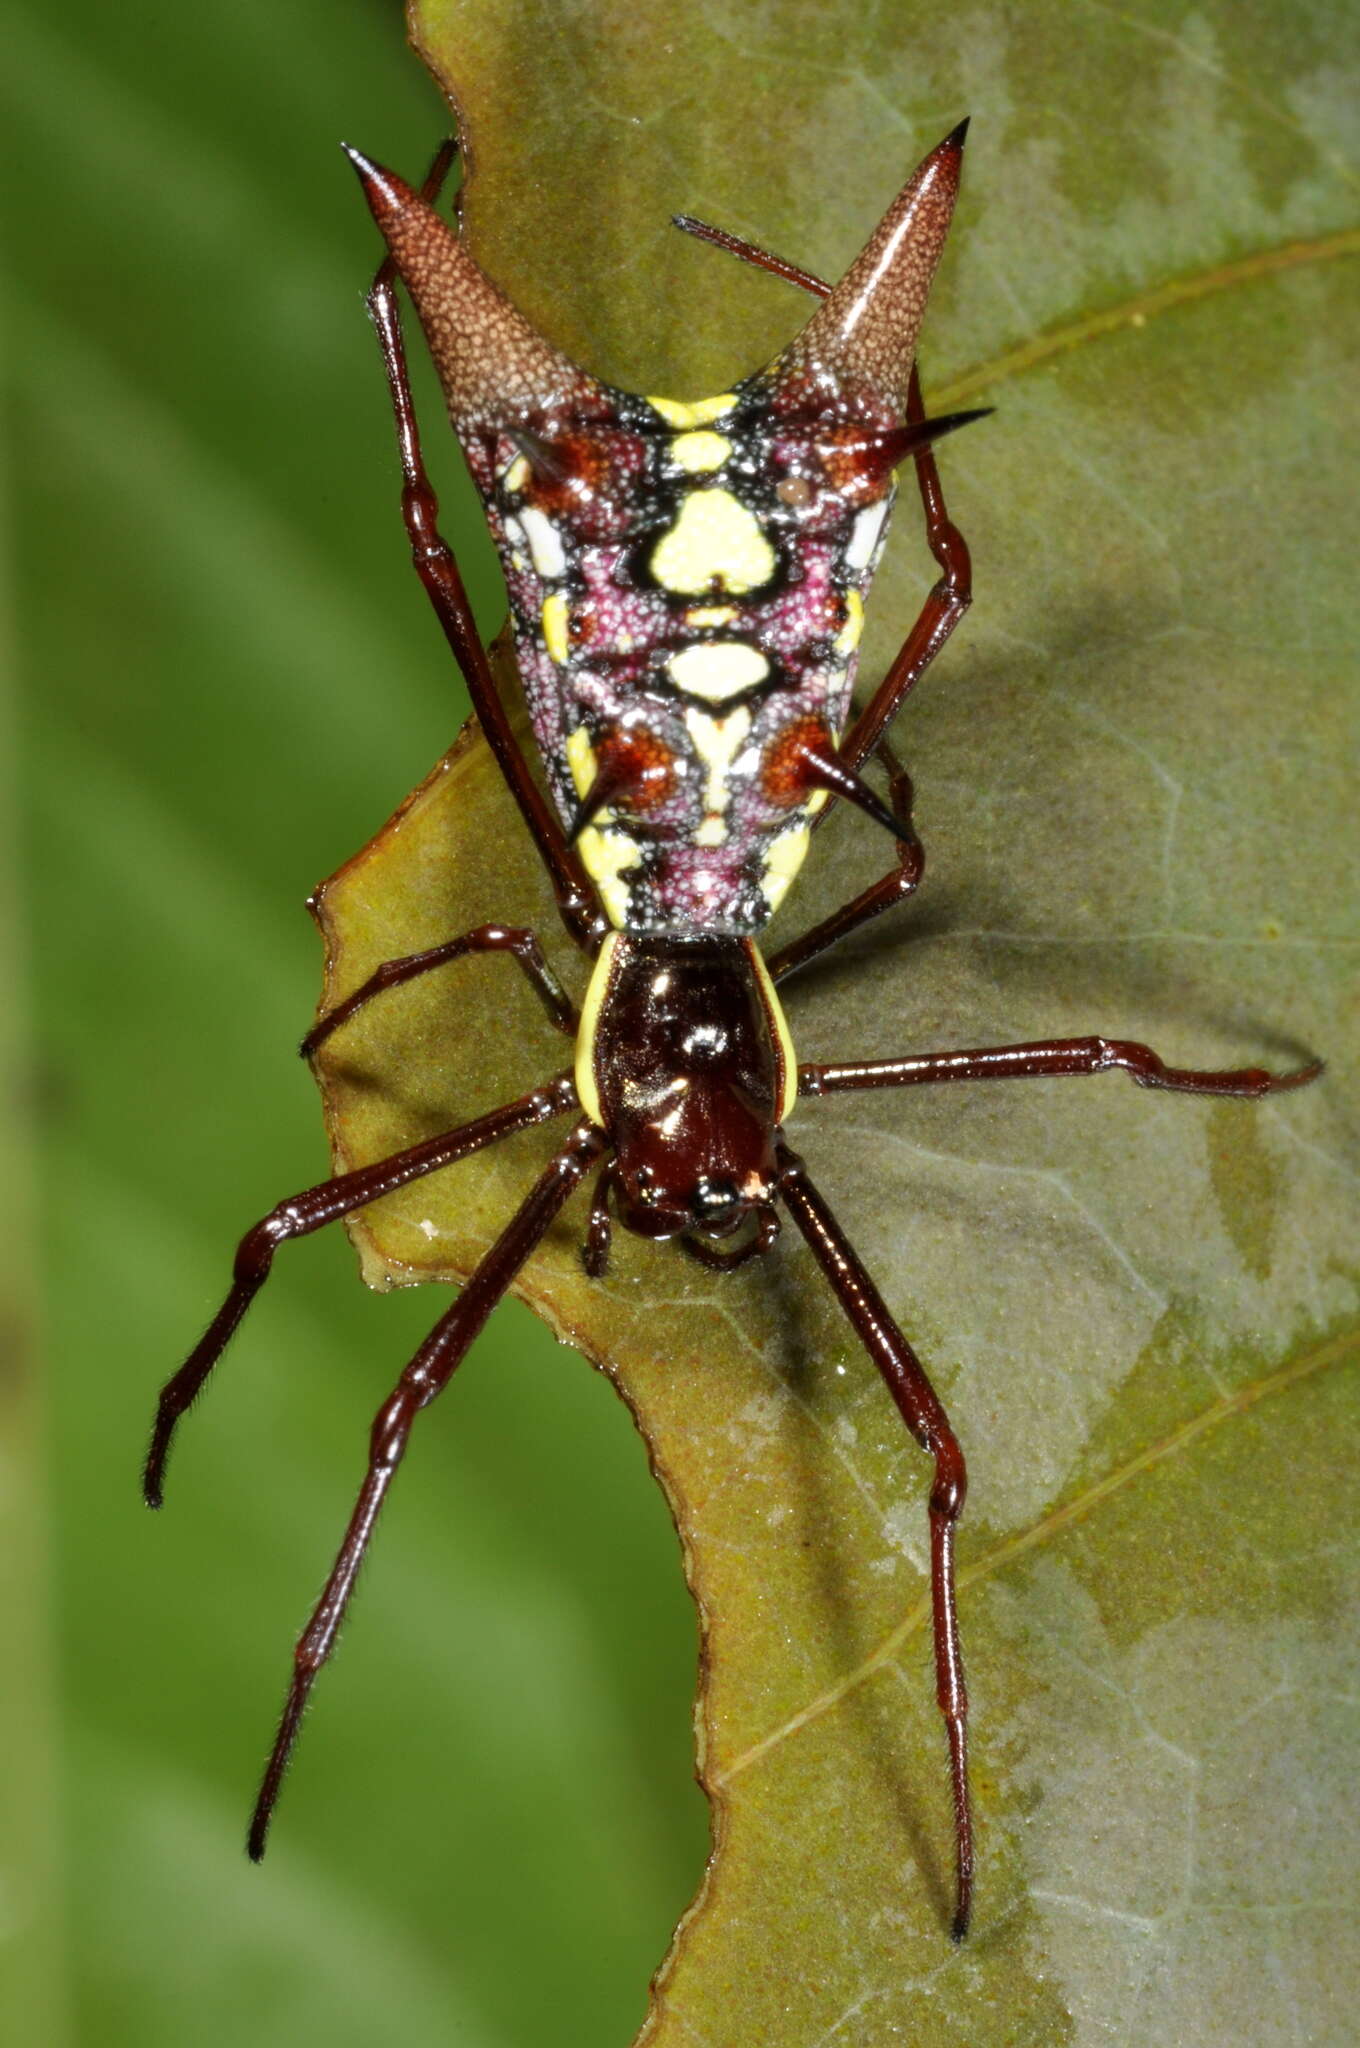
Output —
(311, 1210)
(941, 612)
(1052, 1058)
(923, 1413)
(752, 253)
(423, 1380)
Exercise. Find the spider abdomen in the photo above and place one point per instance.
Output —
(671, 638)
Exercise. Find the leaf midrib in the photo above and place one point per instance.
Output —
(1144, 306)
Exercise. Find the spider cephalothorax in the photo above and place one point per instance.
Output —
(687, 580)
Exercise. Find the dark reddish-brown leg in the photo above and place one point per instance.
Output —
(438, 571)
(921, 1410)
(893, 887)
(943, 609)
(425, 1377)
(599, 1235)
(1053, 1056)
(309, 1211)
(487, 938)
(952, 595)
(752, 253)
(941, 612)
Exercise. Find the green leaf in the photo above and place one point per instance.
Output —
(1134, 771)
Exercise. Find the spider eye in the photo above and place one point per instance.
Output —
(714, 1202)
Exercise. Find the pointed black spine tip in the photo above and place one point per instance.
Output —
(956, 137)
(381, 187)
(968, 419)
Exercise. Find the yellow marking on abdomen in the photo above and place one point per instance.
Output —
(701, 450)
(607, 857)
(715, 541)
(785, 856)
(717, 669)
(555, 628)
(545, 543)
(847, 640)
(676, 412)
(716, 741)
(581, 757)
(711, 615)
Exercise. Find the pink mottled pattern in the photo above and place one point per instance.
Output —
(615, 680)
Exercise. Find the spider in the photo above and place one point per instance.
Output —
(687, 586)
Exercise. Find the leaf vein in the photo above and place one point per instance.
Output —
(1144, 306)
(1335, 1352)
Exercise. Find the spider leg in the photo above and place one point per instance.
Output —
(943, 609)
(940, 613)
(438, 571)
(924, 1415)
(421, 1382)
(893, 887)
(1052, 1056)
(600, 1233)
(752, 253)
(303, 1213)
(523, 945)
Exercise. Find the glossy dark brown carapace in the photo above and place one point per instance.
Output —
(685, 1060)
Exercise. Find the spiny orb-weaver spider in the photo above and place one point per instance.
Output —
(687, 585)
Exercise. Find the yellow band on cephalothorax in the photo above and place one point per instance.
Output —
(587, 1088)
(788, 1094)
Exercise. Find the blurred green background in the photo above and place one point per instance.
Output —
(228, 677)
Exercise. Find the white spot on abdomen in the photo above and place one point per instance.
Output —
(865, 537)
(545, 543)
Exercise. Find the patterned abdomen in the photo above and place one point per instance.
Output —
(687, 589)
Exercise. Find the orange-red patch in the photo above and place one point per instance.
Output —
(784, 776)
(638, 766)
(854, 470)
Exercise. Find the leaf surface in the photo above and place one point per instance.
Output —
(1135, 773)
